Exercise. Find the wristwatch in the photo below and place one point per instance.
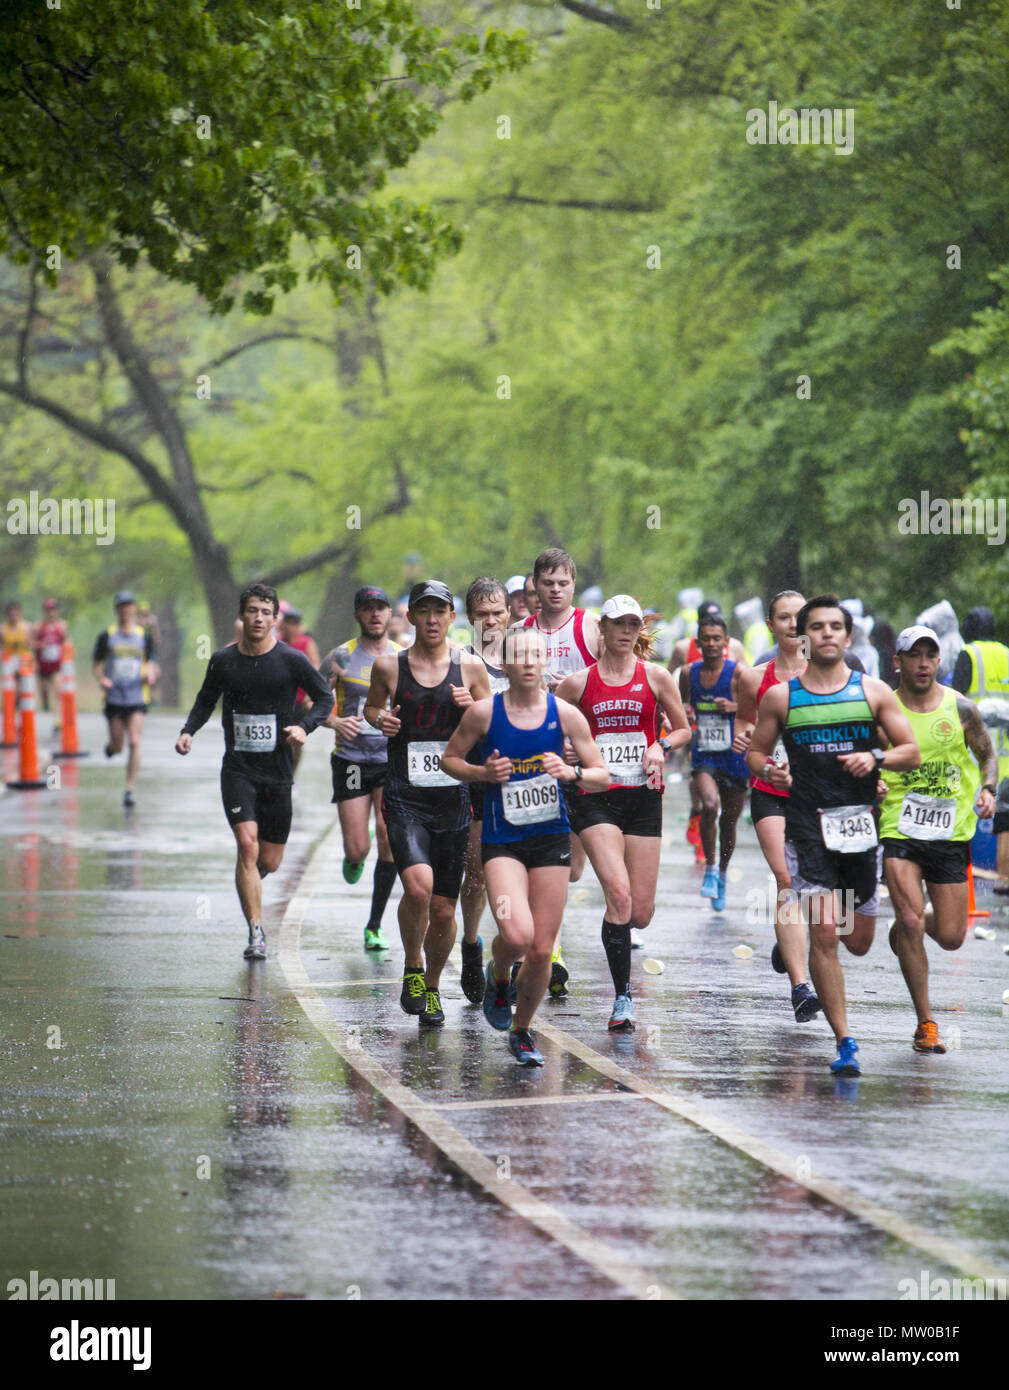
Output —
(989, 787)
(879, 754)
(578, 772)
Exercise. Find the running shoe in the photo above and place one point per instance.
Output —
(351, 871)
(513, 989)
(846, 1063)
(129, 799)
(496, 1008)
(256, 949)
(523, 1048)
(694, 830)
(432, 1015)
(718, 902)
(411, 996)
(926, 1038)
(637, 938)
(108, 751)
(777, 960)
(558, 977)
(471, 978)
(805, 1003)
(699, 856)
(622, 1018)
(709, 887)
(373, 938)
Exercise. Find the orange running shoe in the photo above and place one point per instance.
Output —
(694, 830)
(926, 1038)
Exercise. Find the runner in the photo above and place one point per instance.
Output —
(532, 597)
(767, 802)
(359, 758)
(572, 644)
(710, 688)
(526, 844)
(16, 632)
(427, 813)
(487, 609)
(290, 629)
(258, 678)
(515, 589)
(50, 634)
(685, 652)
(827, 720)
(125, 668)
(927, 819)
(620, 696)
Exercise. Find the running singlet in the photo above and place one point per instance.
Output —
(49, 639)
(934, 801)
(694, 652)
(530, 803)
(415, 787)
(623, 722)
(300, 644)
(567, 650)
(715, 732)
(124, 654)
(16, 637)
(817, 729)
(778, 756)
(259, 703)
(351, 697)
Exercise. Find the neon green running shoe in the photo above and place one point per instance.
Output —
(351, 871)
(374, 940)
(558, 976)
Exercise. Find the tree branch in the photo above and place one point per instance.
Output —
(598, 16)
(265, 338)
(24, 337)
(584, 204)
(283, 574)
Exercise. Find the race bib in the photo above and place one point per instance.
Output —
(927, 817)
(848, 829)
(623, 755)
(52, 651)
(126, 669)
(713, 733)
(255, 733)
(531, 800)
(423, 765)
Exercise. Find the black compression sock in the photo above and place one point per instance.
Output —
(617, 945)
(385, 877)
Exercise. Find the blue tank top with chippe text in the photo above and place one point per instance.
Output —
(530, 803)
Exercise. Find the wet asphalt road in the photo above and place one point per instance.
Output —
(196, 1135)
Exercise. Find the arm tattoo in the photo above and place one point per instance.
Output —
(978, 740)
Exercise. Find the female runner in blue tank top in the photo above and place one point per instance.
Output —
(526, 842)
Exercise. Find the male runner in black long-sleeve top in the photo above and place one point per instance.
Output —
(259, 678)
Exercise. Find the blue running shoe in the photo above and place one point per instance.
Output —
(497, 1010)
(709, 887)
(622, 1018)
(846, 1063)
(523, 1048)
(805, 1003)
(718, 902)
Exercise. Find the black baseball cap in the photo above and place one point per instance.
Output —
(370, 593)
(123, 596)
(431, 588)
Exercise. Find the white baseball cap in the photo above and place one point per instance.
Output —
(620, 605)
(910, 635)
(517, 582)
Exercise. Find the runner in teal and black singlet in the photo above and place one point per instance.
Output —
(828, 719)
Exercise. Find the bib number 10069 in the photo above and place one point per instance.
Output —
(532, 800)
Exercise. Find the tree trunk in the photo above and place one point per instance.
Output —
(169, 691)
(784, 568)
(336, 616)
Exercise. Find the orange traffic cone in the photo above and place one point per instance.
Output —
(29, 752)
(10, 701)
(972, 909)
(68, 706)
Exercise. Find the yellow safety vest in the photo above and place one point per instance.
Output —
(756, 640)
(990, 676)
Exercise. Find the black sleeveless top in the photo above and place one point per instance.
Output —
(415, 786)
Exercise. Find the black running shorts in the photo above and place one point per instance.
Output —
(445, 850)
(815, 868)
(123, 711)
(940, 861)
(535, 852)
(723, 780)
(351, 780)
(765, 804)
(633, 810)
(266, 803)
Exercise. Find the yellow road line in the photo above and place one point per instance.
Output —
(454, 1145)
